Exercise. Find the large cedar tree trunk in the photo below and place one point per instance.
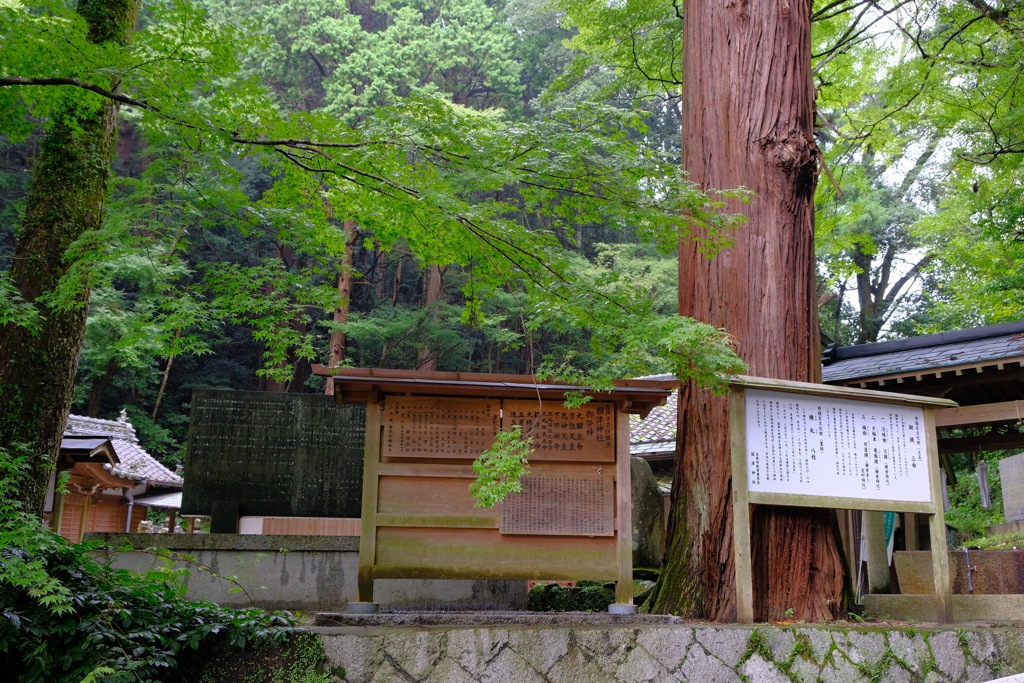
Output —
(69, 185)
(748, 121)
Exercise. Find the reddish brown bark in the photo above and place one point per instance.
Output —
(336, 349)
(748, 121)
(433, 291)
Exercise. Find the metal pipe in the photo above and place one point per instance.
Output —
(970, 571)
(131, 503)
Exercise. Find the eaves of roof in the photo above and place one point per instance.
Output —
(948, 351)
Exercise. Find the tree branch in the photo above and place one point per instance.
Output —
(8, 81)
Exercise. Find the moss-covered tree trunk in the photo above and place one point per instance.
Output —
(748, 112)
(69, 185)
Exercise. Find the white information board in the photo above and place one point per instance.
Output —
(823, 446)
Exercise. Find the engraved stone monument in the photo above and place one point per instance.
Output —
(274, 455)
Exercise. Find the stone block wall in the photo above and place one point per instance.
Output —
(673, 652)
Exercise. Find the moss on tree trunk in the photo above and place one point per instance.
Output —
(69, 185)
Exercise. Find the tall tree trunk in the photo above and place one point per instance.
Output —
(748, 121)
(336, 349)
(163, 380)
(69, 185)
(433, 291)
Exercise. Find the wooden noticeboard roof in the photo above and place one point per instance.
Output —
(840, 392)
(359, 385)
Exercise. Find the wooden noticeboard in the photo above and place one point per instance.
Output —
(813, 445)
(572, 521)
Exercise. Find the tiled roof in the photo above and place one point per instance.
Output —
(161, 500)
(135, 463)
(657, 432)
(928, 352)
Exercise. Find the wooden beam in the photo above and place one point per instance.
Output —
(988, 442)
(841, 392)
(980, 414)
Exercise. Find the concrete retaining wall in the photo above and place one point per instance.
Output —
(298, 573)
(602, 652)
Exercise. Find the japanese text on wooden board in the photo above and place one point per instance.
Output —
(822, 446)
(560, 433)
(561, 506)
(429, 427)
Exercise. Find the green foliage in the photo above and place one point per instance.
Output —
(301, 659)
(1009, 541)
(20, 530)
(349, 60)
(965, 512)
(251, 140)
(920, 126)
(499, 468)
(632, 45)
(14, 310)
(585, 596)
(65, 617)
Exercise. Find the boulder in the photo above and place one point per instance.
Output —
(648, 515)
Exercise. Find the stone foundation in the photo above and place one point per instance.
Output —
(597, 648)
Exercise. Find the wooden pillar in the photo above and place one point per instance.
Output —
(623, 509)
(937, 524)
(368, 529)
(57, 516)
(911, 533)
(876, 555)
(740, 508)
(84, 517)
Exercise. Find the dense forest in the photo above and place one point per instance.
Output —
(239, 269)
(230, 271)
(486, 185)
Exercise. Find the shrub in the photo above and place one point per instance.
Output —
(66, 617)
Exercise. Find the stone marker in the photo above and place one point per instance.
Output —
(1011, 474)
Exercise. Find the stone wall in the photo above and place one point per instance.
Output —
(603, 650)
(298, 573)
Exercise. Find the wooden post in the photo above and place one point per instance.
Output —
(623, 510)
(84, 517)
(937, 524)
(368, 530)
(57, 516)
(910, 532)
(740, 508)
(876, 555)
